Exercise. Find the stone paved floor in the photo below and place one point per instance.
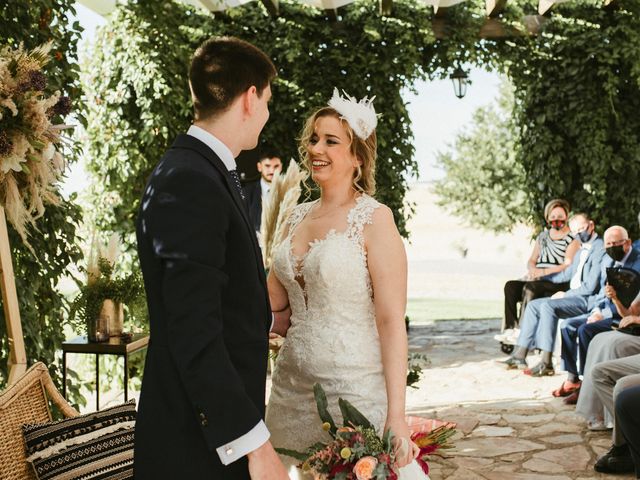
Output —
(510, 427)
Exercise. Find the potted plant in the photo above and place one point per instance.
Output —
(100, 303)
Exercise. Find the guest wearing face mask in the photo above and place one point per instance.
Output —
(604, 308)
(539, 325)
(552, 253)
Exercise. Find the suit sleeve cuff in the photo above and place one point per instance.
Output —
(247, 443)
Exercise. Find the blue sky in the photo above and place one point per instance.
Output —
(436, 113)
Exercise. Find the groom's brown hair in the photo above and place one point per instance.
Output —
(222, 68)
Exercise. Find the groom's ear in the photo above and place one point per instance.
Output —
(249, 97)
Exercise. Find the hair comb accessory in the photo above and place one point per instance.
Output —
(360, 115)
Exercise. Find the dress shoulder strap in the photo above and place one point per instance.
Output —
(298, 213)
(361, 215)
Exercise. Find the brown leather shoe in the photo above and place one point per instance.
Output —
(573, 398)
(567, 388)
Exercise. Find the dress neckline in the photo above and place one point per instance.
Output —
(298, 260)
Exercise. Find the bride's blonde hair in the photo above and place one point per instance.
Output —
(364, 150)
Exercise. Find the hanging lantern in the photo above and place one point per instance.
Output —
(460, 81)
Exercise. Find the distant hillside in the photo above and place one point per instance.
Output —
(438, 267)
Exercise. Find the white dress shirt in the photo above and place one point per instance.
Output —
(258, 435)
(585, 248)
(265, 188)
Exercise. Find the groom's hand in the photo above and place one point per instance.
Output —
(264, 464)
(281, 322)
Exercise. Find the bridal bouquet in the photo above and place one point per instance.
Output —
(356, 451)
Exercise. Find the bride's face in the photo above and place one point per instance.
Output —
(330, 153)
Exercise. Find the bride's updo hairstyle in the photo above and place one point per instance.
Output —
(364, 150)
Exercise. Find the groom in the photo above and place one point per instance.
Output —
(202, 401)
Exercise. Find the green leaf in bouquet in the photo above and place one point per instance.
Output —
(352, 416)
(386, 441)
(323, 408)
(293, 454)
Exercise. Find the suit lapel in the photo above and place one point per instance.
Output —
(192, 143)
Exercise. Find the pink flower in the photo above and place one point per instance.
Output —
(364, 468)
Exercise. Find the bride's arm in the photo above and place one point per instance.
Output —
(387, 262)
(279, 305)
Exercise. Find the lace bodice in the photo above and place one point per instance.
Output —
(344, 248)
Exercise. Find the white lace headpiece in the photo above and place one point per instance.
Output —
(360, 115)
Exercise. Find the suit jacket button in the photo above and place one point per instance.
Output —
(203, 420)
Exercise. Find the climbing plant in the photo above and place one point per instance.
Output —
(38, 274)
(574, 128)
(139, 98)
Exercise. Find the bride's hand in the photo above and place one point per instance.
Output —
(406, 451)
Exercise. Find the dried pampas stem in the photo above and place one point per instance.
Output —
(282, 199)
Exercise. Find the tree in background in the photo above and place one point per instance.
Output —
(483, 183)
(42, 307)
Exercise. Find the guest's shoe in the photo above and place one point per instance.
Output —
(513, 363)
(540, 370)
(573, 398)
(567, 388)
(597, 425)
(616, 460)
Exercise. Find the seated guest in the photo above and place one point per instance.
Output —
(636, 244)
(552, 253)
(605, 347)
(540, 319)
(609, 379)
(628, 415)
(577, 332)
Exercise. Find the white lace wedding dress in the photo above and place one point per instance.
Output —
(333, 339)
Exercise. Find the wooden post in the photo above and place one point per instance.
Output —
(17, 354)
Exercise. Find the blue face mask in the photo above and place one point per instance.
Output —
(584, 236)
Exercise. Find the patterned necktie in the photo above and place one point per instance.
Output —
(236, 181)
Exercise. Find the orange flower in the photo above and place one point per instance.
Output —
(364, 468)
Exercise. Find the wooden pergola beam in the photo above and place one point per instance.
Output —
(385, 7)
(272, 6)
(332, 14)
(494, 28)
(494, 7)
(544, 6)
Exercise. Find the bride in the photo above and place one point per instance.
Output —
(342, 269)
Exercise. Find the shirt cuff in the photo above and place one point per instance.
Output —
(247, 443)
(273, 320)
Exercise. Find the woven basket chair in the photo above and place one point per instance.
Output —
(26, 401)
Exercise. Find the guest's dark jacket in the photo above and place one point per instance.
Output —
(253, 194)
(204, 378)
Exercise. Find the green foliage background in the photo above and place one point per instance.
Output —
(42, 306)
(140, 102)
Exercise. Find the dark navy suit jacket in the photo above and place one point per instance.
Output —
(205, 372)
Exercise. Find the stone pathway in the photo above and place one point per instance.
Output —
(509, 425)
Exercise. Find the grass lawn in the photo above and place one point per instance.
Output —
(423, 310)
